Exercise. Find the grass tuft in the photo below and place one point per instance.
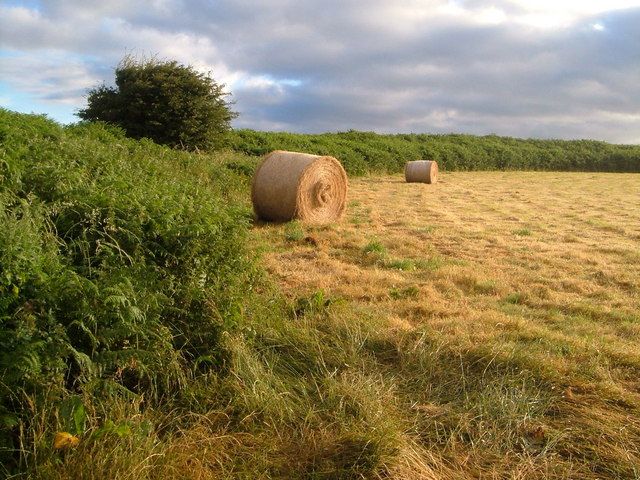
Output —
(293, 231)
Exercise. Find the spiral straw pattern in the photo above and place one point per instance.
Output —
(290, 185)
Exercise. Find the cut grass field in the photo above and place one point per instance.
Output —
(494, 319)
(486, 326)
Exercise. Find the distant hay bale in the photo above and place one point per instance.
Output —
(421, 171)
(290, 185)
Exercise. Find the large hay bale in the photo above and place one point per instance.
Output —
(290, 185)
(421, 171)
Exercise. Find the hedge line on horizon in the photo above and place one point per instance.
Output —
(367, 152)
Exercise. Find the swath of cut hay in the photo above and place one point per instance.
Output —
(421, 171)
(290, 185)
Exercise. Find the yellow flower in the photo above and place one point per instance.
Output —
(65, 440)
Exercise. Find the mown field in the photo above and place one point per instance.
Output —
(508, 316)
(482, 327)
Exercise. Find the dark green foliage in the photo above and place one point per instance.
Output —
(367, 152)
(171, 104)
(121, 262)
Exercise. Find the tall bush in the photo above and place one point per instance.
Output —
(170, 103)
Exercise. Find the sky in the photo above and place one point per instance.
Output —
(531, 69)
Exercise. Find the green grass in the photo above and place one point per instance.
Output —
(293, 231)
(135, 318)
(403, 293)
(134, 315)
(399, 264)
(431, 264)
(375, 247)
(122, 263)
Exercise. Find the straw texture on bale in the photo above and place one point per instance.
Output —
(290, 185)
(421, 171)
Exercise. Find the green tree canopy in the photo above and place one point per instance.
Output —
(165, 101)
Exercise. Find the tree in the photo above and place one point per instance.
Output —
(165, 101)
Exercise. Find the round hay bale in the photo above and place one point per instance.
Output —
(290, 185)
(421, 171)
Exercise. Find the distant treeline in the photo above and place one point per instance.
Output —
(368, 152)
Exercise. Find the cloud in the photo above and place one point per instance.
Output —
(56, 78)
(558, 69)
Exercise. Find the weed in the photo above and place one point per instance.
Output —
(485, 287)
(515, 298)
(375, 247)
(431, 264)
(293, 231)
(359, 217)
(400, 264)
(313, 304)
(403, 293)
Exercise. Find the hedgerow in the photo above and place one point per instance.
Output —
(368, 152)
(121, 264)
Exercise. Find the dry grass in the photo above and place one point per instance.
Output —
(483, 327)
(510, 304)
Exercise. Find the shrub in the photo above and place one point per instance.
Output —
(121, 264)
(171, 104)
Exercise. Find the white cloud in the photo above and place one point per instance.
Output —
(574, 8)
(516, 67)
(543, 14)
(553, 13)
(53, 77)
